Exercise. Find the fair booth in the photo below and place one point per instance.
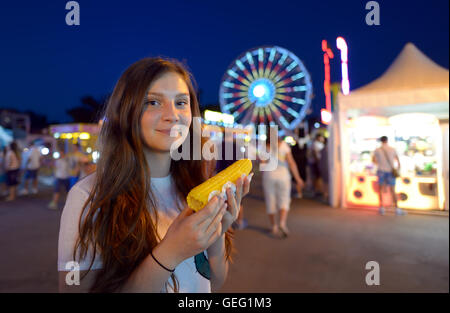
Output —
(409, 104)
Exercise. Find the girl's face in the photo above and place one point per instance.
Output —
(167, 104)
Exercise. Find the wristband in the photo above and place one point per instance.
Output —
(167, 269)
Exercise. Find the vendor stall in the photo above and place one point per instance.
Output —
(409, 104)
(78, 140)
(68, 135)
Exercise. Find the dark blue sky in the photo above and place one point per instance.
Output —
(47, 66)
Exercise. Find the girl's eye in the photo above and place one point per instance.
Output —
(152, 103)
(182, 103)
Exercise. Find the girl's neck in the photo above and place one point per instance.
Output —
(158, 162)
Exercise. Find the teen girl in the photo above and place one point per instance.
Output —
(127, 226)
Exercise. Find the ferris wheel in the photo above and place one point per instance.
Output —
(266, 85)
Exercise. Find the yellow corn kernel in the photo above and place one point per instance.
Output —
(198, 197)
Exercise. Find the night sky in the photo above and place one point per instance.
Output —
(47, 66)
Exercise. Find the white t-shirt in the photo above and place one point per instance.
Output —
(12, 162)
(164, 189)
(62, 168)
(382, 158)
(33, 163)
(314, 151)
(282, 169)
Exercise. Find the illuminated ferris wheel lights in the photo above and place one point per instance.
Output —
(300, 88)
(272, 55)
(290, 67)
(299, 101)
(297, 76)
(282, 59)
(241, 66)
(260, 86)
(233, 74)
(228, 84)
(292, 112)
(285, 123)
(259, 91)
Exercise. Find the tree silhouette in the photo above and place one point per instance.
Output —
(89, 111)
(37, 121)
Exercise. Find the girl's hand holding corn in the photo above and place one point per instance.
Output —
(192, 233)
(200, 195)
(233, 183)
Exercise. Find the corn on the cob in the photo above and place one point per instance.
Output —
(200, 195)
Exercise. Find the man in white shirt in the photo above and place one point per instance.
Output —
(384, 158)
(62, 181)
(32, 168)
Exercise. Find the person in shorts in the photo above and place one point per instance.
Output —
(277, 187)
(32, 168)
(12, 167)
(385, 158)
(62, 178)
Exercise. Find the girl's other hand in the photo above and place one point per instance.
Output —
(191, 233)
(234, 201)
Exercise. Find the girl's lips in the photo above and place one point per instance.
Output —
(164, 131)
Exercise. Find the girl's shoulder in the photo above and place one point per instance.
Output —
(75, 201)
(86, 183)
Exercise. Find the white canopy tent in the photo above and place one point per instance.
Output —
(413, 83)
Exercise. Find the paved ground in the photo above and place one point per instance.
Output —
(326, 252)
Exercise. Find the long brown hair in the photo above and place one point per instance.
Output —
(15, 148)
(118, 221)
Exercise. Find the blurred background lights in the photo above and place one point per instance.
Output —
(85, 136)
(290, 140)
(95, 156)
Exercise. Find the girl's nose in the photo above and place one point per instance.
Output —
(170, 112)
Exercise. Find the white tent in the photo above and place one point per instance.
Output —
(413, 83)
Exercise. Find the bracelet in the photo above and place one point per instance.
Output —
(167, 269)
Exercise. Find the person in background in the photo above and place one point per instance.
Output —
(323, 168)
(299, 155)
(77, 160)
(32, 168)
(277, 187)
(62, 175)
(314, 149)
(384, 158)
(12, 167)
(3, 191)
